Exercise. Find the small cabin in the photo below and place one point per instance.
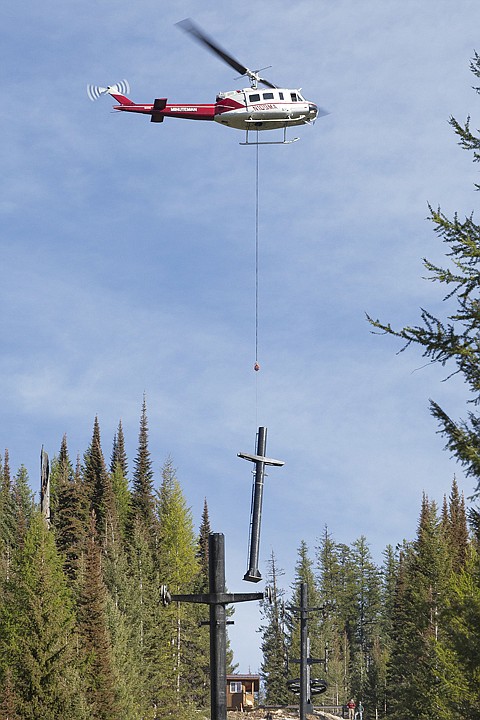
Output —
(242, 692)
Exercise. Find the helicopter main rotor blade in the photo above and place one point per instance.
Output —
(189, 26)
(267, 83)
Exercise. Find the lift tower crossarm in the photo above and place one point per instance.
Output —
(218, 598)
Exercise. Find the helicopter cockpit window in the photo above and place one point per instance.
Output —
(268, 96)
(254, 98)
(294, 97)
(280, 95)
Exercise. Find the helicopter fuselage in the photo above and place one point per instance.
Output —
(247, 109)
(254, 109)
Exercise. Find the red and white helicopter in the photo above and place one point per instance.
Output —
(247, 109)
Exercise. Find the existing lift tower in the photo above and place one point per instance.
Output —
(217, 598)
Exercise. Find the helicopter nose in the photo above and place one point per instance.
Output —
(312, 110)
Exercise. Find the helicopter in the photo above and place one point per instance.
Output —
(248, 109)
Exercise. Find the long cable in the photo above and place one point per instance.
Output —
(256, 366)
(256, 258)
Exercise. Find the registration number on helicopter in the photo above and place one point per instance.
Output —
(265, 106)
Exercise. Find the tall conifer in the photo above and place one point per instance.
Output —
(99, 492)
(97, 671)
(274, 663)
(119, 475)
(38, 631)
(143, 500)
(178, 568)
(69, 519)
(421, 596)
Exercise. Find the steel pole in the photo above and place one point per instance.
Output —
(218, 628)
(253, 573)
(303, 652)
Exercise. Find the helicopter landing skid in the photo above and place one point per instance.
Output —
(269, 142)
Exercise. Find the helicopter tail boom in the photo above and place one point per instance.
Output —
(122, 99)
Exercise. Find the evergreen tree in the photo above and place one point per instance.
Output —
(366, 608)
(375, 694)
(99, 492)
(23, 503)
(69, 516)
(331, 585)
(6, 477)
(178, 568)
(458, 651)
(8, 532)
(143, 499)
(455, 341)
(37, 657)
(146, 616)
(202, 554)
(201, 689)
(274, 664)
(119, 456)
(126, 668)
(119, 475)
(97, 670)
(457, 529)
(414, 692)
(9, 701)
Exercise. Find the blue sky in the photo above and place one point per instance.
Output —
(128, 257)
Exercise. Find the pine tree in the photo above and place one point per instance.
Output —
(119, 456)
(274, 664)
(8, 531)
(126, 670)
(202, 554)
(6, 476)
(99, 492)
(457, 528)
(143, 502)
(414, 692)
(9, 701)
(23, 503)
(97, 670)
(37, 632)
(331, 585)
(178, 568)
(458, 651)
(69, 515)
(454, 341)
(146, 616)
(366, 619)
(119, 475)
(201, 683)
(375, 695)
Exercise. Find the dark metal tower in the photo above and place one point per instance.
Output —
(305, 686)
(253, 573)
(217, 598)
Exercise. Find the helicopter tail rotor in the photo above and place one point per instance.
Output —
(120, 88)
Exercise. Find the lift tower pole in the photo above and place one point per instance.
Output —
(304, 686)
(217, 598)
(253, 573)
